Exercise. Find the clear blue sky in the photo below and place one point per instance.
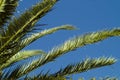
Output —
(88, 16)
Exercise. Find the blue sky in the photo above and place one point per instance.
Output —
(87, 16)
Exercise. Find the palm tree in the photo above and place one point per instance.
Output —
(18, 32)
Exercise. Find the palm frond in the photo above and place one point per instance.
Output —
(69, 45)
(7, 7)
(30, 39)
(44, 33)
(21, 56)
(85, 65)
(17, 29)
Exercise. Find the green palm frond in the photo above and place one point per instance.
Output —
(7, 7)
(30, 39)
(43, 33)
(69, 45)
(85, 65)
(18, 28)
(21, 56)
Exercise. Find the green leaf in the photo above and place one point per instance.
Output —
(85, 65)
